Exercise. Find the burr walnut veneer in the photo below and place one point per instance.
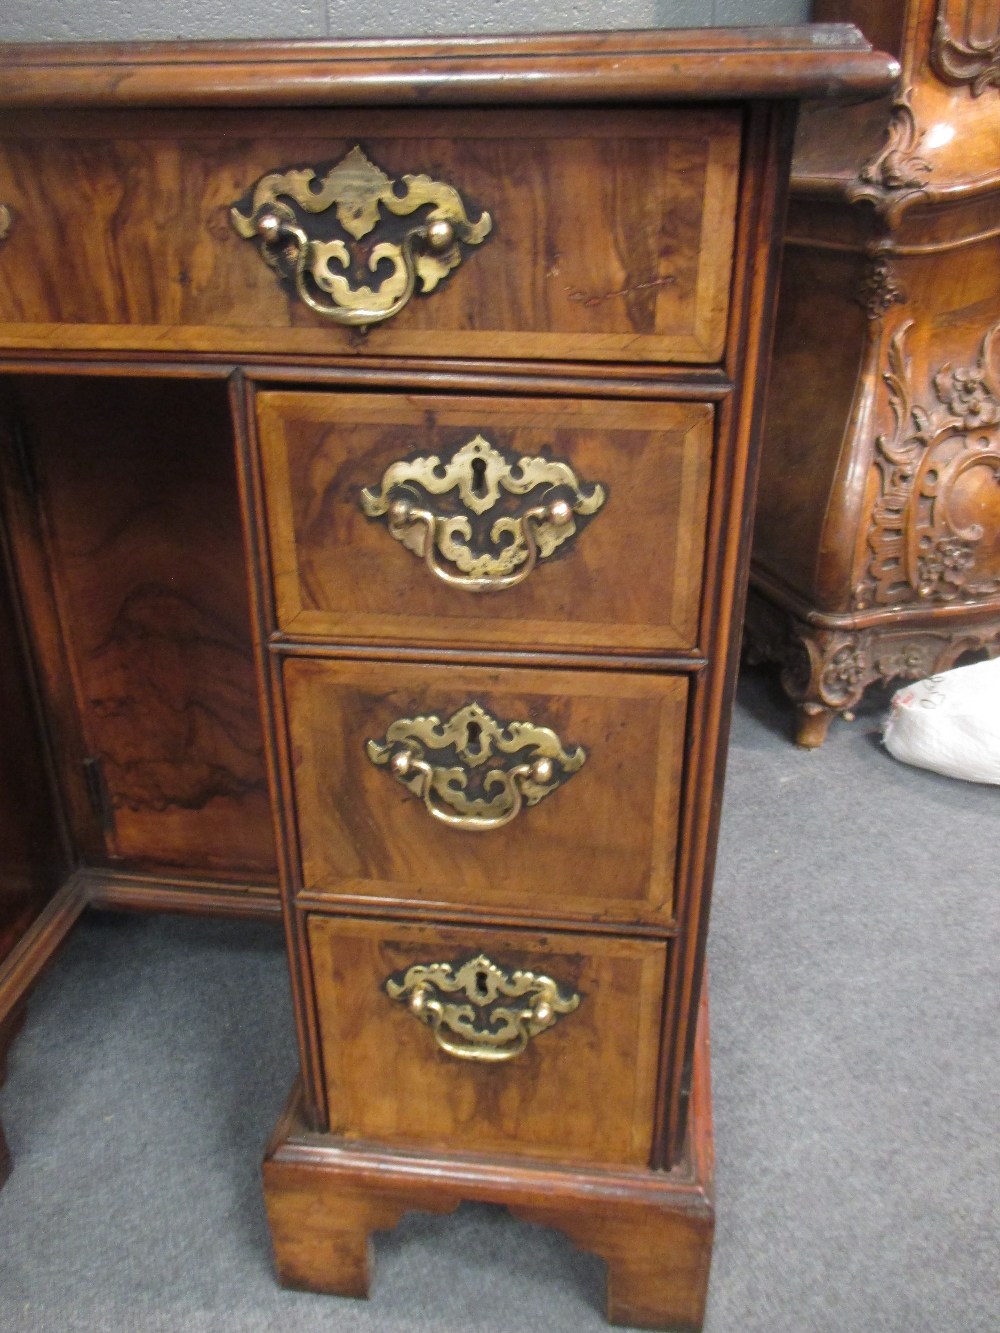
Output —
(377, 434)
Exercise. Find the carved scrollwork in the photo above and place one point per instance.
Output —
(897, 174)
(451, 512)
(972, 61)
(825, 671)
(485, 772)
(333, 276)
(919, 550)
(487, 1026)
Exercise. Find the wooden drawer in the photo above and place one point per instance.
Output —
(394, 1078)
(623, 570)
(594, 841)
(610, 236)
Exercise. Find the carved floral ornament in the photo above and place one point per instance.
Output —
(826, 671)
(919, 550)
(879, 289)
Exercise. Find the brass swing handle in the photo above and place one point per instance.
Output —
(424, 780)
(467, 741)
(497, 1012)
(358, 307)
(404, 514)
(441, 510)
(362, 197)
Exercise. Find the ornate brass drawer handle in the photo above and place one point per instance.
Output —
(459, 545)
(329, 274)
(488, 796)
(485, 1027)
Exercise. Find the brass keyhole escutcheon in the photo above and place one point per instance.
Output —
(495, 1013)
(448, 765)
(482, 520)
(346, 277)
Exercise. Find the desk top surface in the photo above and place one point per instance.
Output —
(809, 61)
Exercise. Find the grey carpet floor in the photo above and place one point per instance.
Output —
(855, 985)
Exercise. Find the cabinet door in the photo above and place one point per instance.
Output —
(131, 553)
(32, 863)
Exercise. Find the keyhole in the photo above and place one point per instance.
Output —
(482, 990)
(472, 733)
(479, 476)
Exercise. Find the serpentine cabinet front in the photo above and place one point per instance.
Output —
(484, 327)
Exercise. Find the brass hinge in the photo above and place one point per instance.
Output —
(98, 794)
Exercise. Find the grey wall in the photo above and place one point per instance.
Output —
(121, 20)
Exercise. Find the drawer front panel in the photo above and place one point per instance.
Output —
(395, 1078)
(610, 235)
(594, 838)
(622, 570)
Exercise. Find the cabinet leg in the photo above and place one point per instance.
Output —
(825, 670)
(661, 1280)
(325, 1197)
(320, 1244)
(657, 1243)
(813, 722)
(322, 1226)
(657, 1253)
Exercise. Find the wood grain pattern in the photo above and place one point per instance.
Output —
(612, 232)
(954, 151)
(632, 263)
(600, 846)
(120, 890)
(325, 1200)
(829, 61)
(387, 1081)
(143, 546)
(338, 574)
(879, 559)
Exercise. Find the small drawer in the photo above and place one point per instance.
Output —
(552, 794)
(416, 1053)
(573, 235)
(468, 521)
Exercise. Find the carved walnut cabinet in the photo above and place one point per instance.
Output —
(378, 443)
(877, 546)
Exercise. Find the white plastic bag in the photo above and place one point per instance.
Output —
(950, 723)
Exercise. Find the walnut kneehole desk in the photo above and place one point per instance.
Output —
(378, 434)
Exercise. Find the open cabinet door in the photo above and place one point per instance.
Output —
(33, 859)
(131, 750)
